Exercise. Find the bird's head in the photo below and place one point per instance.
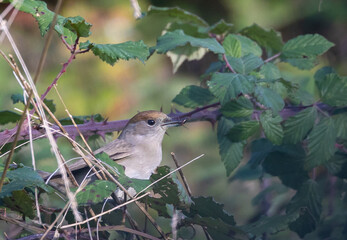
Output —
(148, 126)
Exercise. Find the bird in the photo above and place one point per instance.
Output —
(138, 148)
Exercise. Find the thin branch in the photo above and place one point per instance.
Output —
(272, 57)
(228, 64)
(184, 180)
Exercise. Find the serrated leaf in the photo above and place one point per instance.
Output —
(243, 130)
(272, 127)
(16, 98)
(286, 162)
(296, 127)
(247, 45)
(260, 148)
(227, 86)
(269, 98)
(8, 117)
(268, 39)
(95, 192)
(308, 202)
(319, 76)
(85, 45)
(44, 18)
(171, 40)
(232, 46)
(78, 25)
(241, 107)
(333, 90)
(306, 46)
(194, 96)
(21, 202)
(178, 13)
(168, 191)
(321, 143)
(111, 53)
(208, 207)
(270, 71)
(220, 27)
(21, 178)
(337, 165)
(303, 63)
(340, 122)
(270, 225)
(246, 64)
(231, 153)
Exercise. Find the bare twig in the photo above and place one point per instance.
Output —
(228, 64)
(184, 180)
(272, 57)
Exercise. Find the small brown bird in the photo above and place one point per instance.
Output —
(138, 147)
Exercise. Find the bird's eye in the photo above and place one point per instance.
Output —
(150, 122)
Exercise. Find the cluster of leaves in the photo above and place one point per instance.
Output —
(292, 133)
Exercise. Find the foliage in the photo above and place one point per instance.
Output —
(260, 110)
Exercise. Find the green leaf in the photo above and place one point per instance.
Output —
(260, 149)
(246, 64)
(306, 46)
(220, 27)
(78, 25)
(321, 73)
(333, 90)
(232, 46)
(243, 130)
(321, 143)
(194, 96)
(303, 63)
(111, 53)
(178, 13)
(241, 107)
(340, 122)
(95, 192)
(286, 162)
(8, 117)
(247, 45)
(21, 202)
(21, 178)
(269, 225)
(86, 45)
(227, 86)
(207, 207)
(337, 165)
(230, 152)
(272, 127)
(137, 184)
(269, 98)
(171, 40)
(168, 191)
(268, 39)
(296, 127)
(307, 201)
(16, 98)
(270, 71)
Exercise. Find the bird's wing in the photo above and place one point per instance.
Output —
(116, 150)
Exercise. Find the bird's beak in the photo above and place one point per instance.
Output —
(169, 122)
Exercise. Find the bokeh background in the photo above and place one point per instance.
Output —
(91, 86)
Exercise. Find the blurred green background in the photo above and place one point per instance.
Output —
(91, 86)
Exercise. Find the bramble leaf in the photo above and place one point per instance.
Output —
(307, 201)
(243, 130)
(321, 143)
(268, 39)
(241, 107)
(232, 46)
(172, 40)
(194, 96)
(95, 192)
(246, 64)
(111, 53)
(8, 117)
(296, 127)
(247, 45)
(333, 89)
(230, 152)
(270, 71)
(227, 86)
(269, 98)
(78, 25)
(272, 127)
